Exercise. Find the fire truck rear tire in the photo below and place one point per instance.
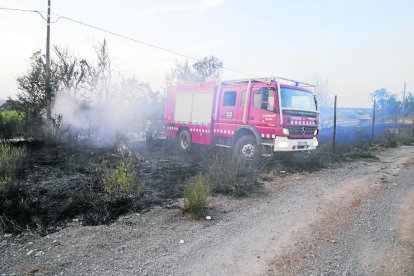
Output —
(184, 141)
(246, 149)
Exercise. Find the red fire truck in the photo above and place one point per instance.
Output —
(254, 117)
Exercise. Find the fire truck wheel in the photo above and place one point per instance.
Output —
(246, 149)
(184, 141)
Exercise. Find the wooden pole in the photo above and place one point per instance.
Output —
(48, 88)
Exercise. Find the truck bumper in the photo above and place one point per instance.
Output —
(286, 144)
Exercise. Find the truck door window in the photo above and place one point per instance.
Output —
(264, 98)
(229, 98)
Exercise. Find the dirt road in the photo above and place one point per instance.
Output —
(356, 219)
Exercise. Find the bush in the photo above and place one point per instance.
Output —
(11, 159)
(395, 137)
(120, 181)
(12, 116)
(195, 196)
(228, 176)
(11, 123)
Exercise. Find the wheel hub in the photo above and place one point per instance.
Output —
(248, 151)
(184, 143)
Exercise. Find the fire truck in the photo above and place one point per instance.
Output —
(253, 117)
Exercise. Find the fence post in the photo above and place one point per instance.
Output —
(373, 123)
(334, 127)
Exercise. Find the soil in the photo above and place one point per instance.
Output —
(352, 218)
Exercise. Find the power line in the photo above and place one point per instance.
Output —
(24, 10)
(123, 36)
(144, 43)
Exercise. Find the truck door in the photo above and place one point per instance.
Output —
(226, 122)
(262, 113)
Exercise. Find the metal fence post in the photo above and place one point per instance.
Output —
(373, 123)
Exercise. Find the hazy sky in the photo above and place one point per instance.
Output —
(357, 46)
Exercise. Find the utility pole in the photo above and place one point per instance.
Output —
(48, 87)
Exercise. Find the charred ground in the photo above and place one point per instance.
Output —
(62, 183)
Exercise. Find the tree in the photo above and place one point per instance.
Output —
(71, 71)
(134, 91)
(200, 71)
(31, 97)
(99, 75)
(181, 73)
(387, 103)
(207, 67)
(409, 104)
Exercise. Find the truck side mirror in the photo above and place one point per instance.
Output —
(316, 102)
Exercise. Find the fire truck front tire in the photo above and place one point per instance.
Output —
(247, 149)
(184, 141)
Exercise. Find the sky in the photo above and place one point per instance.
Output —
(354, 46)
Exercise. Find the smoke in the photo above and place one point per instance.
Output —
(101, 122)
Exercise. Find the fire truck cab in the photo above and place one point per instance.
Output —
(254, 117)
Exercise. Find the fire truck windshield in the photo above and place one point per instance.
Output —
(297, 99)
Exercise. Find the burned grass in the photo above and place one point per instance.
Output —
(58, 184)
(62, 183)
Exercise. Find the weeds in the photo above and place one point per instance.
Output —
(120, 181)
(394, 137)
(228, 176)
(360, 152)
(11, 159)
(195, 196)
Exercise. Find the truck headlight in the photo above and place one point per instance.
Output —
(315, 143)
(285, 131)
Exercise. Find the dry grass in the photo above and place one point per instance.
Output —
(227, 176)
(356, 202)
(35, 269)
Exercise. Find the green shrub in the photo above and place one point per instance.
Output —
(139, 189)
(11, 159)
(195, 196)
(12, 124)
(120, 181)
(8, 117)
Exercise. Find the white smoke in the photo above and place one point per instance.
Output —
(100, 122)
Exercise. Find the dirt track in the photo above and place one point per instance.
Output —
(355, 219)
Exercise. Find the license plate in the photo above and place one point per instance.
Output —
(302, 143)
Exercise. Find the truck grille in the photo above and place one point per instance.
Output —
(297, 130)
(300, 113)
